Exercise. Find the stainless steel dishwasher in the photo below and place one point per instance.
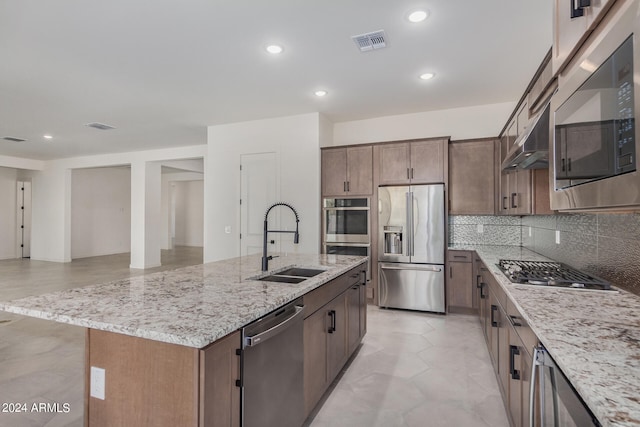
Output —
(272, 369)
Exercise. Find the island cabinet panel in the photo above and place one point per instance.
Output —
(147, 383)
(333, 328)
(219, 393)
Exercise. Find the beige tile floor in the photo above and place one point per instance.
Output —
(413, 369)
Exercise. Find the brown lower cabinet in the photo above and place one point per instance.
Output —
(333, 330)
(510, 342)
(152, 383)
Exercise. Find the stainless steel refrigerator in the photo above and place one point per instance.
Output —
(411, 247)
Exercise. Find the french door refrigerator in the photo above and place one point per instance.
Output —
(411, 247)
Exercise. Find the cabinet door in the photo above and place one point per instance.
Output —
(315, 358)
(334, 172)
(493, 324)
(472, 178)
(505, 194)
(353, 317)
(394, 164)
(360, 171)
(427, 161)
(521, 203)
(219, 370)
(522, 118)
(460, 285)
(337, 335)
(517, 374)
(567, 33)
(363, 309)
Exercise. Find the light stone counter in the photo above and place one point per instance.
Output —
(594, 336)
(190, 306)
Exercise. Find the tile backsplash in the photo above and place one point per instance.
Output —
(607, 245)
(484, 230)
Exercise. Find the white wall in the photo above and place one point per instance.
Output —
(8, 206)
(100, 211)
(458, 123)
(296, 140)
(189, 213)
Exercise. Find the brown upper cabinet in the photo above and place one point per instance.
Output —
(572, 26)
(415, 162)
(347, 171)
(472, 184)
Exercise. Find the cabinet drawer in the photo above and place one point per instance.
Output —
(521, 327)
(496, 289)
(459, 256)
(325, 293)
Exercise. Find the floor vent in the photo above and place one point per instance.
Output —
(370, 41)
(13, 139)
(100, 126)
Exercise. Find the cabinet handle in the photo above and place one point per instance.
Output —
(504, 203)
(332, 327)
(460, 256)
(569, 164)
(514, 321)
(577, 7)
(344, 186)
(450, 272)
(513, 200)
(411, 173)
(563, 167)
(408, 175)
(513, 352)
(494, 322)
(348, 186)
(482, 295)
(364, 277)
(478, 277)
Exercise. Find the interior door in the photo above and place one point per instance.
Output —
(259, 190)
(24, 219)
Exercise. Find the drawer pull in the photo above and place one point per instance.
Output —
(513, 352)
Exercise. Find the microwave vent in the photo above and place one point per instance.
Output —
(370, 41)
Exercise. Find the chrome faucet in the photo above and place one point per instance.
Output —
(296, 235)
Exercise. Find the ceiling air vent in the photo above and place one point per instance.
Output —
(100, 126)
(13, 139)
(370, 41)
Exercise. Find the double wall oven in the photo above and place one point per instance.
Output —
(346, 227)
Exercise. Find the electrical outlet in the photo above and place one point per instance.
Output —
(97, 382)
(529, 231)
(480, 228)
(557, 237)
(227, 229)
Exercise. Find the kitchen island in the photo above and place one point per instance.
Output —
(167, 341)
(594, 336)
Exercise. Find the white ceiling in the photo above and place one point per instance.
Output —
(160, 71)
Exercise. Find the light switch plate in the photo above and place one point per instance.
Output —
(97, 382)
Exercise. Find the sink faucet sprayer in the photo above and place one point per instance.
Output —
(296, 235)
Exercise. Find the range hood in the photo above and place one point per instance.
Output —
(531, 149)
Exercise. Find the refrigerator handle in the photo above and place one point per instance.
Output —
(409, 197)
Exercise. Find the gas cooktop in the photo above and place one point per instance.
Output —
(548, 273)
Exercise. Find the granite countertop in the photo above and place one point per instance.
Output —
(191, 306)
(594, 336)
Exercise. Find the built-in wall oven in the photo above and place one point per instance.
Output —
(346, 225)
(595, 139)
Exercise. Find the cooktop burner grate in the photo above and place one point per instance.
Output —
(549, 273)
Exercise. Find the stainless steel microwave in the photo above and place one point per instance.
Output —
(593, 163)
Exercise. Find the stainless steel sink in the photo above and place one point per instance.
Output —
(300, 272)
(292, 275)
(283, 279)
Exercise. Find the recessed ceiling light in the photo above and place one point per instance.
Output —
(321, 93)
(427, 76)
(418, 16)
(47, 136)
(274, 49)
